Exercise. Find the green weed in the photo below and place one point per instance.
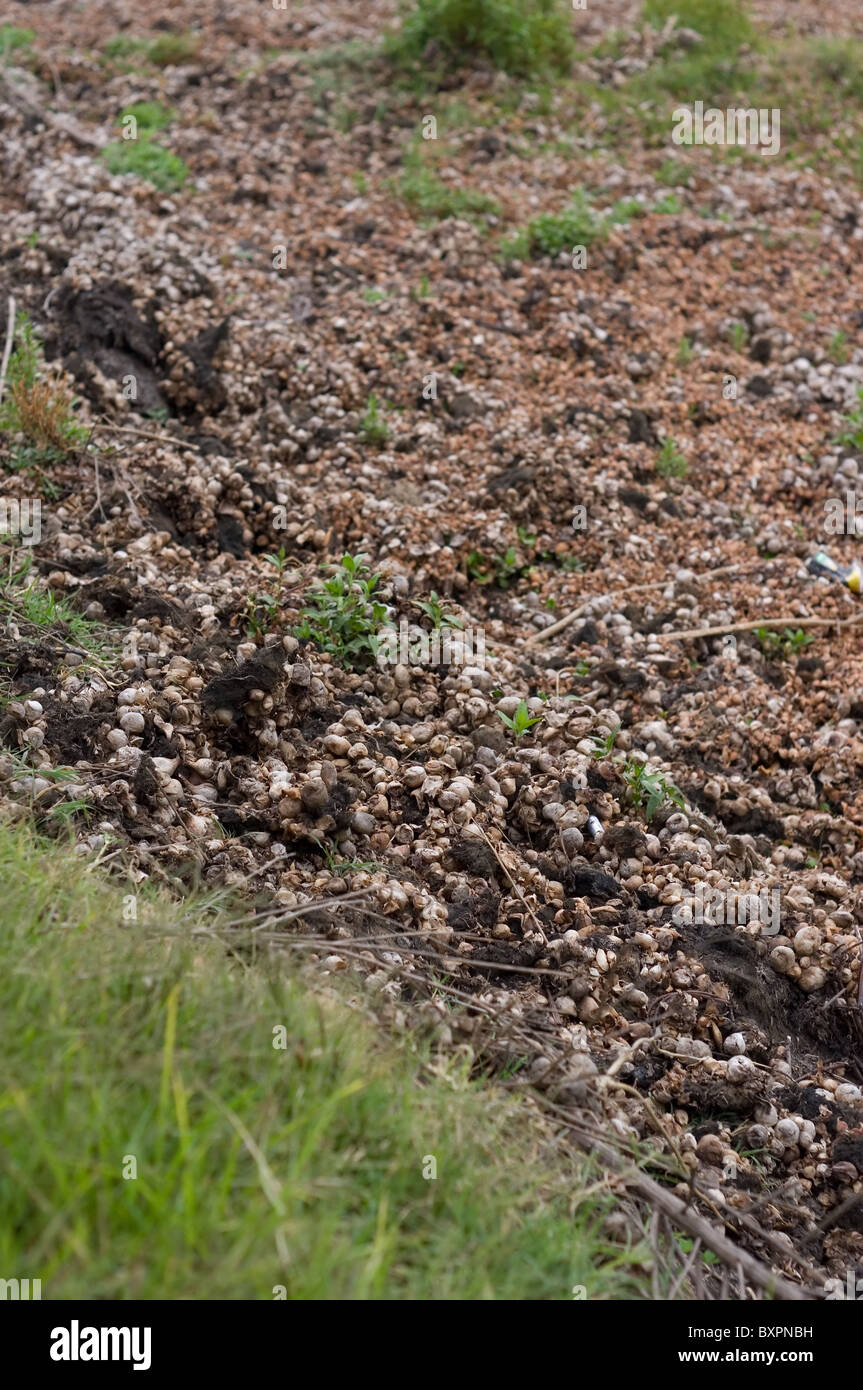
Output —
(521, 722)
(170, 50)
(428, 196)
(13, 38)
(851, 434)
(262, 609)
(373, 428)
(343, 616)
(723, 24)
(685, 353)
(837, 348)
(149, 116)
(35, 406)
(437, 611)
(147, 160)
(522, 37)
(670, 462)
(650, 790)
(785, 644)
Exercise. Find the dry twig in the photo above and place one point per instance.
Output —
(629, 591)
(7, 350)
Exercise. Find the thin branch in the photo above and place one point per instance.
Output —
(770, 622)
(144, 434)
(683, 1215)
(10, 334)
(629, 591)
(63, 123)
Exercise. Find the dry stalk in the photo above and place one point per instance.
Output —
(7, 350)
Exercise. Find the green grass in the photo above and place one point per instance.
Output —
(172, 49)
(32, 607)
(124, 46)
(166, 50)
(612, 45)
(149, 115)
(723, 24)
(815, 82)
(837, 348)
(342, 74)
(157, 1145)
(36, 407)
(685, 352)
(263, 609)
(521, 37)
(579, 225)
(148, 161)
(670, 173)
(12, 38)
(429, 197)
(851, 433)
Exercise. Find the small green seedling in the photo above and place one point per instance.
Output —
(437, 610)
(685, 353)
(671, 463)
(520, 722)
(837, 348)
(499, 570)
(603, 745)
(790, 642)
(373, 427)
(650, 790)
(340, 866)
(262, 609)
(851, 435)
